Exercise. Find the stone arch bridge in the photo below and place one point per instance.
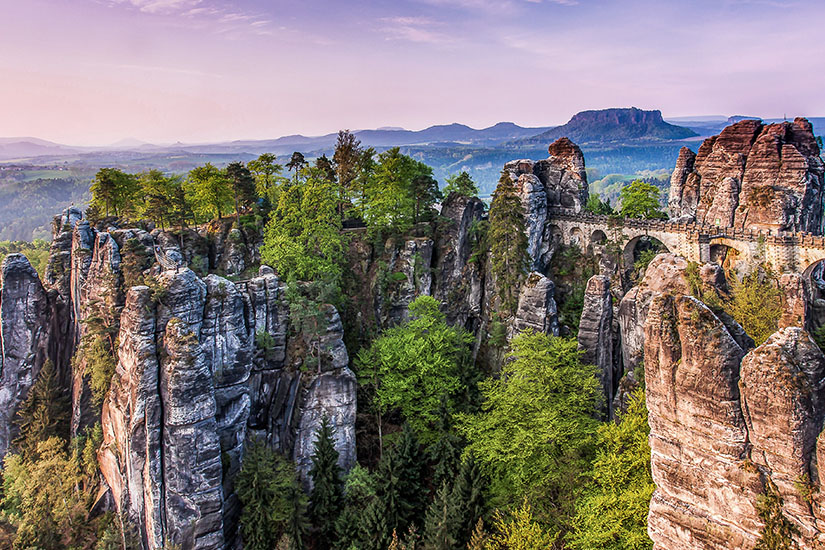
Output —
(782, 251)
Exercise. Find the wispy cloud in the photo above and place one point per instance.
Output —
(415, 29)
(225, 19)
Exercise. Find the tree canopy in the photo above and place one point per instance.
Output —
(640, 199)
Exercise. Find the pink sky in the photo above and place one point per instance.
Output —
(97, 71)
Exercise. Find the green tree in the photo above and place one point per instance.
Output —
(347, 159)
(114, 192)
(462, 184)
(413, 366)
(158, 197)
(210, 191)
(389, 201)
(273, 501)
(425, 193)
(327, 499)
(613, 512)
(267, 176)
(325, 168)
(296, 163)
(303, 239)
(519, 530)
(595, 205)
(445, 450)
(507, 236)
(439, 533)
(309, 313)
(640, 199)
(244, 191)
(535, 433)
(43, 414)
(359, 492)
(778, 532)
(756, 304)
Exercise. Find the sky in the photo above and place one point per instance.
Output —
(93, 72)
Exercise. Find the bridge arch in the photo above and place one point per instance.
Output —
(630, 249)
(598, 237)
(577, 236)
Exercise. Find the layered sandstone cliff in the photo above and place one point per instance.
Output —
(752, 175)
(729, 423)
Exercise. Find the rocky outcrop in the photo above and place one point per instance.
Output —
(596, 337)
(24, 321)
(457, 281)
(536, 306)
(753, 175)
(728, 424)
(559, 181)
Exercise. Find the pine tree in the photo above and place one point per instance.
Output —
(347, 158)
(410, 469)
(359, 492)
(44, 413)
(440, 521)
(508, 242)
(445, 451)
(376, 531)
(243, 186)
(327, 496)
(467, 499)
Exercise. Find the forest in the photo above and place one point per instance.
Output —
(454, 454)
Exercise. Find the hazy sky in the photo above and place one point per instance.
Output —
(97, 71)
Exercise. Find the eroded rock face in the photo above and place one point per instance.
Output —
(536, 306)
(24, 321)
(596, 336)
(728, 423)
(203, 368)
(752, 175)
(559, 181)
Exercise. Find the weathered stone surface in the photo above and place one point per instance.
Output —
(782, 383)
(457, 282)
(795, 301)
(408, 276)
(332, 394)
(698, 436)
(683, 196)
(559, 181)
(596, 336)
(24, 321)
(753, 175)
(536, 306)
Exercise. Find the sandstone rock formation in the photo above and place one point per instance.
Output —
(24, 320)
(728, 423)
(596, 337)
(536, 306)
(559, 181)
(752, 175)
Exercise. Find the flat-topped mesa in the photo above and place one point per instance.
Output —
(752, 176)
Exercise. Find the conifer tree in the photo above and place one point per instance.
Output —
(359, 492)
(467, 499)
(440, 522)
(445, 451)
(44, 413)
(296, 163)
(508, 242)
(462, 184)
(347, 158)
(410, 461)
(327, 496)
(243, 186)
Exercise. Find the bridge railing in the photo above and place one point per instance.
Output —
(769, 236)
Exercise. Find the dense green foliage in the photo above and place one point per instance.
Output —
(595, 205)
(508, 242)
(327, 498)
(640, 199)
(756, 304)
(44, 413)
(461, 184)
(273, 501)
(412, 367)
(536, 432)
(612, 515)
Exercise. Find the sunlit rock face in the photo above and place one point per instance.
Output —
(728, 421)
(752, 176)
